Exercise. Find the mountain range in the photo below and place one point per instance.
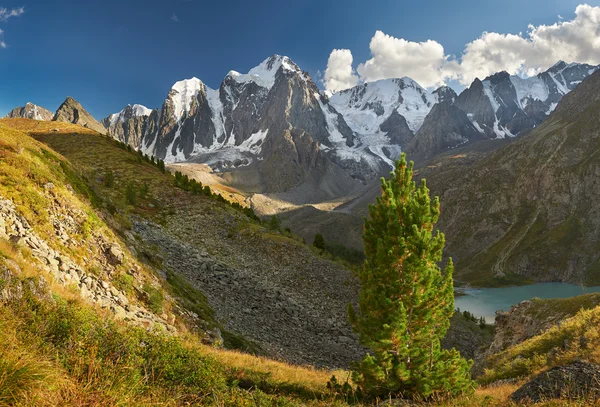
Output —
(273, 130)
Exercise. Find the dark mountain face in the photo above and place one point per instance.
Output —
(71, 111)
(129, 125)
(445, 127)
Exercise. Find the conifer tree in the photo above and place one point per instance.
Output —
(274, 223)
(406, 301)
(319, 242)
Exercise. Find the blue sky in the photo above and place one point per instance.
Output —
(110, 53)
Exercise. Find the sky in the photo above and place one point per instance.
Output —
(107, 54)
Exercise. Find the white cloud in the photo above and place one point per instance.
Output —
(576, 40)
(175, 18)
(397, 57)
(339, 74)
(5, 13)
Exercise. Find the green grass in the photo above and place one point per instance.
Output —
(576, 338)
(68, 353)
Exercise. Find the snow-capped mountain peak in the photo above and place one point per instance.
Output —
(265, 73)
(182, 93)
(31, 111)
(368, 105)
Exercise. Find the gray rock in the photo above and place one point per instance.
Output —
(578, 380)
(115, 255)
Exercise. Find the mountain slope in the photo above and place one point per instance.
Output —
(30, 111)
(263, 285)
(528, 209)
(71, 111)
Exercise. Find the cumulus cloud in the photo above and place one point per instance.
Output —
(339, 74)
(397, 57)
(576, 40)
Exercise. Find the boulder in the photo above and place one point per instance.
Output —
(578, 380)
(115, 255)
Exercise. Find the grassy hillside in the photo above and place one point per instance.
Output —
(575, 338)
(57, 348)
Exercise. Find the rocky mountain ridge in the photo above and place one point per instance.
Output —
(71, 111)
(359, 131)
(526, 210)
(31, 111)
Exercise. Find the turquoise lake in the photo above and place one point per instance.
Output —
(484, 302)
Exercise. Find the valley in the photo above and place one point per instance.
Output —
(417, 228)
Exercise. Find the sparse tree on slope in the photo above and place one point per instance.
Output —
(319, 242)
(406, 301)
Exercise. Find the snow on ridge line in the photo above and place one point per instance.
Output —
(264, 74)
(533, 87)
(358, 103)
(138, 110)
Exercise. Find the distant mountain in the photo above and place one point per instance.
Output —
(129, 124)
(274, 122)
(445, 127)
(71, 111)
(504, 105)
(528, 209)
(500, 106)
(271, 122)
(31, 111)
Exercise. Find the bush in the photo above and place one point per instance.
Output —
(131, 194)
(319, 242)
(109, 179)
(144, 189)
(274, 223)
(124, 282)
(154, 298)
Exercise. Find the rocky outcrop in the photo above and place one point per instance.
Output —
(577, 381)
(14, 289)
(71, 111)
(93, 289)
(530, 318)
(30, 111)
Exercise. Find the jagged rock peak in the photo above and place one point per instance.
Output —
(30, 111)
(265, 73)
(71, 111)
(445, 94)
(127, 113)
